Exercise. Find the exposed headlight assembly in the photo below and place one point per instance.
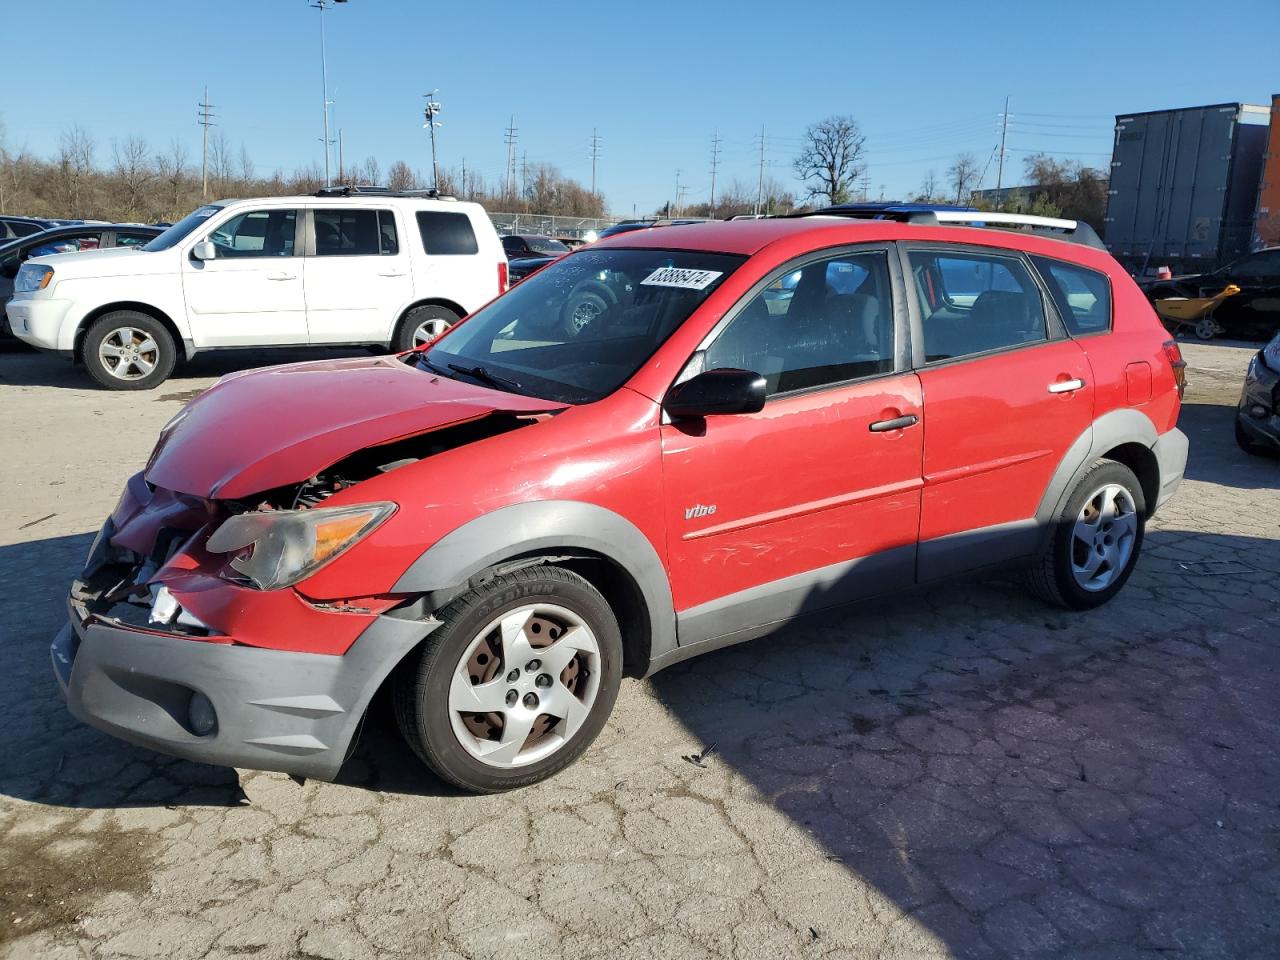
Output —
(32, 277)
(1271, 354)
(277, 548)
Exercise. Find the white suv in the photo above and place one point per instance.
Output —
(344, 266)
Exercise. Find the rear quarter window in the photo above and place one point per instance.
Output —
(446, 234)
(1082, 296)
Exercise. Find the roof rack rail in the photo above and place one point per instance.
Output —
(1055, 228)
(361, 190)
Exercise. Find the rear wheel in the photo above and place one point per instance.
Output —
(421, 325)
(1095, 542)
(128, 350)
(1206, 329)
(517, 682)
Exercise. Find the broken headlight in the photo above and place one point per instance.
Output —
(276, 548)
(1271, 354)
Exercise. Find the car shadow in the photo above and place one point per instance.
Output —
(1216, 457)
(32, 368)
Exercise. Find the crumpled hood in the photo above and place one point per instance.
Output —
(263, 429)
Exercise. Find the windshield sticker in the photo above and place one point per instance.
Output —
(684, 279)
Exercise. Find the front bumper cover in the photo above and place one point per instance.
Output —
(1260, 394)
(275, 710)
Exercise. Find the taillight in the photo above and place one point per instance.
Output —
(502, 276)
(1173, 353)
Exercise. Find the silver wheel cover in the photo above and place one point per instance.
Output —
(524, 685)
(429, 330)
(128, 353)
(1103, 537)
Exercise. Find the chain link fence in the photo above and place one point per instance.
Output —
(547, 224)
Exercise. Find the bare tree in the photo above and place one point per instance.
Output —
(172, 170)
(247, 170)
(221, 165)
(400, 177)
(963, 174)
(372, 172)
(831, 159)
(133, 173)
(929, 188)
(75, 164)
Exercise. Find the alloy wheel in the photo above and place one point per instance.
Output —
(128, 353)
(1103, 537)
(524, 685)
(429, 330)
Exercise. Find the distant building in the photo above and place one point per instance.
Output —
(1020, 197)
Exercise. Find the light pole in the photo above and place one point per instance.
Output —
(322, 6)
(429, 114)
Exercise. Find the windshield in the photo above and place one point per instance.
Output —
(182, 228)
(577, 330)
(546, 245)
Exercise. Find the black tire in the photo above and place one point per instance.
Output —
(1247, 443)
(421, 692)
(163, 358)
(580, 310)
(1049, 576)
(403, 339)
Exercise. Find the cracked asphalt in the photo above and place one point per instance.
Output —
(961, 772)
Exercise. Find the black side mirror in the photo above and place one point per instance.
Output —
(716, 392)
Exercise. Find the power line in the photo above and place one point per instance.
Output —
(1004, 133)
(715, 162)
(511, 136)
(760, 179)
(595, 155)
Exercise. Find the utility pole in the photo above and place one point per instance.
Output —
(429, 114)
(676, 208)
(511, 136)
(322, 6)
(760, 181)
(463, 186)
(715, 162)
(1004, 132)
(595, 155)
(524, 175)
(341, 174)
(206, 121)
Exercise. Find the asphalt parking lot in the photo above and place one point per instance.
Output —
(962, 772)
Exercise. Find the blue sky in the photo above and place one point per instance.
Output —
(657, 79)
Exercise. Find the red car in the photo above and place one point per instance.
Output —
(766, 418)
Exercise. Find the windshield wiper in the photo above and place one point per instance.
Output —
(480, 373)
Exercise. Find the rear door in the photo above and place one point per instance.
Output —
(251, 292)
(812, 501)
(1006, 393)
(358, 277)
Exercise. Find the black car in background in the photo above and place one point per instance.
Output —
(84, 236)
(11, 228)
(1258, 417)
(1251, 314)
(529, 252)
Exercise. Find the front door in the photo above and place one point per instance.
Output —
(251, 292)
(358, 278)
(1006, 394)
(814, 500)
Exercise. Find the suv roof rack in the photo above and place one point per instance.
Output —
(1055, 228)
(360, 190)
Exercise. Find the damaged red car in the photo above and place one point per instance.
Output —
(761, 419)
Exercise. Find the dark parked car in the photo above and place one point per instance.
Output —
(527, 253)
(1253, 313)
(1258, 419)
(15, 253)
(13, 227)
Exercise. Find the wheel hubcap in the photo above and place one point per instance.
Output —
(524, 685)
(128, 353)
(429, 330)
(1103, 537)
(583, 314)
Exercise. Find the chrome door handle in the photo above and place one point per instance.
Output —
(391, 273)
(282, 276)
(1066, 386)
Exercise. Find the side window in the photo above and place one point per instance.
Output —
(514, 246)
(973, 303)
(1082, 296)
(132, 239)
(388, 239)
(256, 233)
(446, 234)
(346, 232)
(829, 321)
(68, 244)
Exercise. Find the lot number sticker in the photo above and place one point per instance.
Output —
(684, 279)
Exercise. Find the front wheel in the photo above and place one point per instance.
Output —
(1095, 542)
(515, 684)
(421, 325)
(128, 350)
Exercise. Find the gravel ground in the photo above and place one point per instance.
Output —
(955, 773)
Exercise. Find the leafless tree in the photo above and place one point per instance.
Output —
(964, 173)
(400, 177)
(372, 172)
(247, 170)
(831, 159)
(75, 163)
(133, 173)
(929, 189)
(171, 167)
(221, 164)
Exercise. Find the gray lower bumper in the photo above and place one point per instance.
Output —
(293, 712)
(1171, 454)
